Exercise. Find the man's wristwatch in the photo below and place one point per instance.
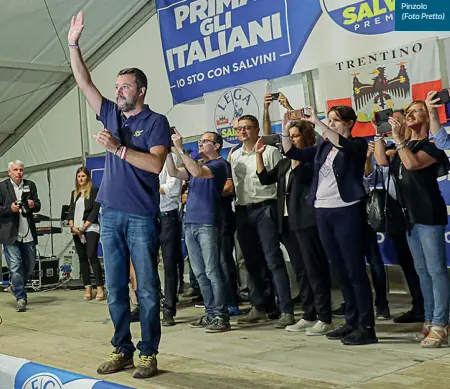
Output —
(185, 152)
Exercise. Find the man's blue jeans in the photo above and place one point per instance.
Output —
(20, 258)
(125, 235)
(427, 245)
(202, 241)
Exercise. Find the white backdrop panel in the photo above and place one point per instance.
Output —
(55, 137)
(62, 182)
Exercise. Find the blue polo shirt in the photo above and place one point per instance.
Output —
(204, 200)
(124, 186)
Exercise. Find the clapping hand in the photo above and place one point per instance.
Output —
(260, 147)
(106, 139)
(398, 130)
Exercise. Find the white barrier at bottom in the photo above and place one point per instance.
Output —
(16, 373)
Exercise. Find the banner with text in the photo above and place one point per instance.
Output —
(214, 44)
(381, 80)
(226, 105)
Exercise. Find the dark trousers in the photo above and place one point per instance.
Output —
(342, 232)
(318, 274)
(406, 262)
(377, 269)
(87, 252)
(259, 240)
(289, 240)
(227, 228)
(170, 238)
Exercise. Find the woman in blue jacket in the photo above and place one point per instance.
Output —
(338, 194)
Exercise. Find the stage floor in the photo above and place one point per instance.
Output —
(61, 330)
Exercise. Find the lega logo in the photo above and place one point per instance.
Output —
(234, 103)
(51, 381)
(369, 17)
(43, 381)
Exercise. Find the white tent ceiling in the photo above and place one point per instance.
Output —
(34, 71)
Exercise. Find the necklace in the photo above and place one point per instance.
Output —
(400, 170)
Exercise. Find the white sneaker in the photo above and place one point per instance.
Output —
(320, 328)
(300, 326)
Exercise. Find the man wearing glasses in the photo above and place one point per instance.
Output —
(257, 227)
(201, 224)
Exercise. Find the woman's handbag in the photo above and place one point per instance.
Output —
(384, 213)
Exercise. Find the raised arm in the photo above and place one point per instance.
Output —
(306, 154)
(368, 167)
(267, 126)
(435, 122)
(174, 171)
(193, 167)
(79, 69)
(380, 155)
(441, 136)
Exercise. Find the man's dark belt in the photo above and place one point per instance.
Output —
(173, 212)
(258, 205)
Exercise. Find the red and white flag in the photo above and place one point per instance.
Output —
(392, 78)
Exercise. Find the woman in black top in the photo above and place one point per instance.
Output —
(416, 164)
(338, 194)
(83, 223)
(297, 226)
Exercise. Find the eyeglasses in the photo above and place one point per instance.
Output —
(418, 110)
(203, 141)
(243, 128)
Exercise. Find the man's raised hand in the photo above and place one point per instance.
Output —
(76, 27)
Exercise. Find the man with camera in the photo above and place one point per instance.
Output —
(18, 201)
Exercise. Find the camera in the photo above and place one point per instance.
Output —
(22, 204)
(382, 120)
(271, 140)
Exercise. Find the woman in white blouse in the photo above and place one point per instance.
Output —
(83, 222)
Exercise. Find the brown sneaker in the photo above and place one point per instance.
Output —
(253, 316)
(115, 363)
(285, 320)
(148, 367)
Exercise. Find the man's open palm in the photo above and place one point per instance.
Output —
(76, 27)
